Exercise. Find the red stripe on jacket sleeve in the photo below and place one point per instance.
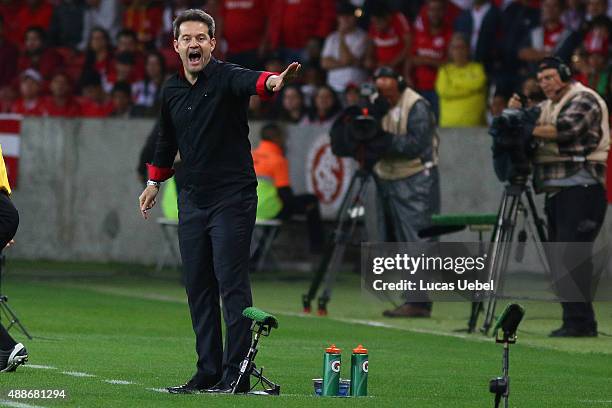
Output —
(159, 173)
(260, 87)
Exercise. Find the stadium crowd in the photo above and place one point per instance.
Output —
(109, 58)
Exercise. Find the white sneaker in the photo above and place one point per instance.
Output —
(11, 359)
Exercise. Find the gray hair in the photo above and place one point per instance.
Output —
(193, 15)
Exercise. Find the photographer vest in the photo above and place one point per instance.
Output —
(548, 151)
(396, 122)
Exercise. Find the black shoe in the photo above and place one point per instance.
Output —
(13, 358)
(191, 387)
(223, 388)
(572, 332)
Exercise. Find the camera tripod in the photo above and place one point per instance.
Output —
(352, 210)
(511, 204)
(5, 308)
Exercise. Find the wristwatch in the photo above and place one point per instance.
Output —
(153, 183)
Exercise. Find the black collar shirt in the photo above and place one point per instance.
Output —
(207, 124)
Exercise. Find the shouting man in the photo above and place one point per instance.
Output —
(204, 118)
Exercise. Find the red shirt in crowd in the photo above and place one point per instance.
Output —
(424, 44)
(48, 63)
(244, 23)
(294, 22)
(31, 108)
(70, 109)
(27, 17)
(93, 109)
(390, 43)
(551, 37)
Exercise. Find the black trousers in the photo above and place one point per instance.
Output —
(575, 214)
(214, 243)
(9, 220)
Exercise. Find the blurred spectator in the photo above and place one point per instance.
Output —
(313, 78)
(550, 38)
(61, 102)
(580, 66)
(275, 195)
(143, 18)
(325, 107)
(429, 47)
(105, 14)
(34, 13)
(127, 42)
(481, 25)
(94, 101)
(596, 46)
(123, 69)
(146, 93)
(244, 27)
(30, 102)
(121, 98)
(599, 28)
(596, 8)
(37, 55)
(461, 85)
(389, 36)
(451, 12)
(8, 96)
(498, 103)
(99, 57)
(293, 109)
(66, 28)
(294, 22)
(352, 95)
(344, 50)
(574, 15)
(8, 56)
(516, 22)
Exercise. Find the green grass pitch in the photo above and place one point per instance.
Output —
(112, 336)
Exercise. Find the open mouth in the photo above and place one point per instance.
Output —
(195, 56)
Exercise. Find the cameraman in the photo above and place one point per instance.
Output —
(570, 167)
(407, 173)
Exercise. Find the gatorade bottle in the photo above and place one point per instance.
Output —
(359, 372)
(331, 371)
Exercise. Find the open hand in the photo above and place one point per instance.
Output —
(277, 82)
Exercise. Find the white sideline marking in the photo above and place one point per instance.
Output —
(77, 374)
(162, 390)
(119, 382)
(15, 404)
(40, 367)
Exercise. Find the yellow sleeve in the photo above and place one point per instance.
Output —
(4, 183)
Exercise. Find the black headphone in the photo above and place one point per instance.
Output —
(390, 73)
(565, 72)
